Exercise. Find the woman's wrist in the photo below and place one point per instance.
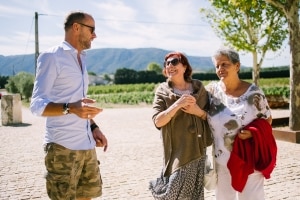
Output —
(169, 111)
(168, 115)
(203, 115)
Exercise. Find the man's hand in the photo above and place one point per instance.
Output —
(83, 108)
(100, 139)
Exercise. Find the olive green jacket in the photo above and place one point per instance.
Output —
(186, 136)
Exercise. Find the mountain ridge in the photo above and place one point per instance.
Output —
(105, 61)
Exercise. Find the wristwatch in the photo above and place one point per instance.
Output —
(66, 108)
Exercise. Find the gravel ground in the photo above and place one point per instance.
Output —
(134, 157)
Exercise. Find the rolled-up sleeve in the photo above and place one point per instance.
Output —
(45, 76)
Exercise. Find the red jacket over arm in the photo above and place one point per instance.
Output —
(258, 152)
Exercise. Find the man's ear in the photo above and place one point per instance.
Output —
(75, 27)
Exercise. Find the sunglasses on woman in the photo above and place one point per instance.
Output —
(173, 61)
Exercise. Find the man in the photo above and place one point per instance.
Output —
(59, 94)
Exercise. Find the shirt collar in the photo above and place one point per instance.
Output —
(68, 47)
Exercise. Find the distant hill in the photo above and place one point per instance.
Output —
(105, 61)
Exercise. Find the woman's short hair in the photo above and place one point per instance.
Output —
(230, 53)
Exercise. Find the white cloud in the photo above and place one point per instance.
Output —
(166, 24)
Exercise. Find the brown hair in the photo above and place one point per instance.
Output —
(74, 17)
(183, 59)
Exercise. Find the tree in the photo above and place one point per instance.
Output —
(153, 66)
(248, 25)
(291, 8)
(146, 77)
(92, 74)
(21, 83)
(3, 81)
(125, 76)
(107, 78)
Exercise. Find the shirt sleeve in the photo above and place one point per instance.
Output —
(46, 74)
(260, 101)
(159, 104)
(265, 105)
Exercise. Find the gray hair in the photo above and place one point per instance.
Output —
(231, 54)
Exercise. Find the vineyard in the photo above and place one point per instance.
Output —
(277, 91)
(125, 94)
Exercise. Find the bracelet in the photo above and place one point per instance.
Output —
(93, 126)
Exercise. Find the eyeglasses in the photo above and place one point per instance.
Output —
(173, 61)
(92, 28)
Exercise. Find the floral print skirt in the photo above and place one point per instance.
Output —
(184, 184)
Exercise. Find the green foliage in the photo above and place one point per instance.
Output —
(205, 76)
(11, 86)
(282, 72)
(153, 66)
(92, 73)
(248, 25)
(275, 86)
(21, 83)
(137, 94)
(132, 98)
(129, 94)
(130, 76)
(3, 81)
(122, 88)
(274, 82)
(124, 76)
(107, 78)
(277, 91)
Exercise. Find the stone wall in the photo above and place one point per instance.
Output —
(11, 109)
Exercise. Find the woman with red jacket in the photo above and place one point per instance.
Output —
(234, 104)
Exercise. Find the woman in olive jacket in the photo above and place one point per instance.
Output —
(179, 113)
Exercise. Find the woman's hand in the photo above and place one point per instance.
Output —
(185, 101)
(190, 109)
(245, 134)
(193, 108)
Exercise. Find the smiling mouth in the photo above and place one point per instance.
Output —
(172, 71)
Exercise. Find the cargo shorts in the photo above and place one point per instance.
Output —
(72, 174)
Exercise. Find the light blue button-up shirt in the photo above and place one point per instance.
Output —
(59, 79)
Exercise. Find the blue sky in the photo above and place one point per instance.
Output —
(165, 24)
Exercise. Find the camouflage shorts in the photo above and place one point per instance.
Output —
(72, 174)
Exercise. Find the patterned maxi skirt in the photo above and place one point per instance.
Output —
(184, 184)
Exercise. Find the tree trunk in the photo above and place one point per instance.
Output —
(294, 34)
(255, 72)
(291, 11)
